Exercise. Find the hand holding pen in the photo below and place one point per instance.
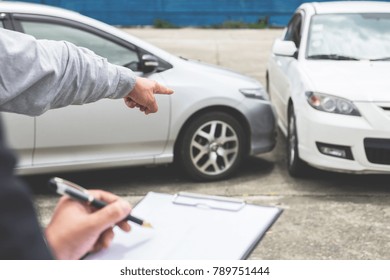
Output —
(79, 228)
(74, 191)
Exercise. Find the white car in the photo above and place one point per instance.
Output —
(209, 125)
(329, 80)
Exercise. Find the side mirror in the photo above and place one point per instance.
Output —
(148, 63)
(284, 48)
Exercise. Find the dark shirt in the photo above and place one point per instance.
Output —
(20, 233)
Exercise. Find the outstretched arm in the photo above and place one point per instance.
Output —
(38, 75)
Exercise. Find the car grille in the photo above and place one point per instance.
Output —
(377, 150)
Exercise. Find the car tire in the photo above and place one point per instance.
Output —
(211, 147)
(296, 167)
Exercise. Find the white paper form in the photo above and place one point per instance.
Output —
(191, 228)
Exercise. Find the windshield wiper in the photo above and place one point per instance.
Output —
(332, 57)
(381, 59)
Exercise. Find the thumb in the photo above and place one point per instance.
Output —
(110, 215)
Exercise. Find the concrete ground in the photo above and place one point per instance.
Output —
(326, 215)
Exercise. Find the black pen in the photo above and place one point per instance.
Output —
(74, 191)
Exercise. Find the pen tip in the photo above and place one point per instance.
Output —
(146, 224)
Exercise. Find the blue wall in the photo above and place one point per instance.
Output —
(181, 12)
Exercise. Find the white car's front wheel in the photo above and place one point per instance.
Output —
(296, 166)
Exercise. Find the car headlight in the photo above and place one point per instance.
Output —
(331, 104)
(258, 93)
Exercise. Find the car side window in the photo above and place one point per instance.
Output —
(114, 52)
(294, 30)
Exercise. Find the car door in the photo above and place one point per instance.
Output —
(281, 68)
(104, 131)
(19, 128)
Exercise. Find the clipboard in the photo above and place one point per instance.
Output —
(191, 226)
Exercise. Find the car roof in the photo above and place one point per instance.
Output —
(41, 9)
(32, 8)
(348, 7)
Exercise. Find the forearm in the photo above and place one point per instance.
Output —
(43, 75)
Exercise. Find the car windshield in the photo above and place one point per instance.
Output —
(363, 36)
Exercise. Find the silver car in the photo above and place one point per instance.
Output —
(209, 125)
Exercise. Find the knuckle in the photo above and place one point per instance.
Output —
(115, 211)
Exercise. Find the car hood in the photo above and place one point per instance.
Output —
(354, 80)
(206, 69)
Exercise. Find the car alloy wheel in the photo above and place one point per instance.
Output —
(212, 146)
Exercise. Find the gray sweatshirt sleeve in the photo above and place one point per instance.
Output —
(38, 75)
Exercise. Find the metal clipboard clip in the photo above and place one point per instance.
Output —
(208, 202)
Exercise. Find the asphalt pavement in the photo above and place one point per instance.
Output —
(325, 216)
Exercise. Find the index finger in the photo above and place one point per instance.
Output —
(104, 196)
(109, 198)
(160, 89)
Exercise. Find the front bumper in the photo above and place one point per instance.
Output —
(261, 118)
(367, 136)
